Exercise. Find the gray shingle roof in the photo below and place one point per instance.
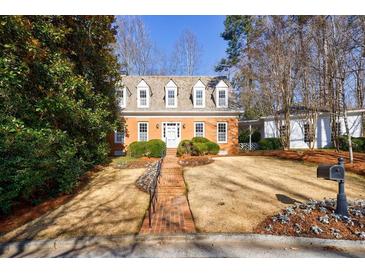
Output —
(185, 86)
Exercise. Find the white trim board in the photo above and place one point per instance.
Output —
(177, 116)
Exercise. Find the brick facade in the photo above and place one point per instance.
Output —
(155, 126)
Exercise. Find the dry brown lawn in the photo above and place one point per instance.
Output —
(235, 194)
(110, 205)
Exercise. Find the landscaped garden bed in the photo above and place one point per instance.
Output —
(195, 160)
(317, 219)
(132, 162)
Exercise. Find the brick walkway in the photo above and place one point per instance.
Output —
(172, 209)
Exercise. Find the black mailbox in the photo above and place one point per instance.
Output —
(331, 172)
(336, 173)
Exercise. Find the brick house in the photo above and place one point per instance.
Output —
(175, 108)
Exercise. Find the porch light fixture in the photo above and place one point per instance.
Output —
(157, 125)
(183, 126)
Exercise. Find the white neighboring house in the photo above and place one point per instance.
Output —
(299, 129)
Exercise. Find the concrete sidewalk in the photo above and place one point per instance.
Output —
(187, 245)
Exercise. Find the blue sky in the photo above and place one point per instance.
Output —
(165, 30)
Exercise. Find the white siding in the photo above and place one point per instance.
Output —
(323, 130)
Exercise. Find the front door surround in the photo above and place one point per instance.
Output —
(171, 134)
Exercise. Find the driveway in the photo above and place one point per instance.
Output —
(235, 194)
(110, 205)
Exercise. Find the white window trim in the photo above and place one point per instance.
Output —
(195, 128)
(143, 86)
(123, 103)
(226, 97)
(139, 131)
(199, 85)
(175, 97)
(221, 86)
(226, 141)
(115, 137)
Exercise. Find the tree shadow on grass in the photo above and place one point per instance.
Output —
(110, 206)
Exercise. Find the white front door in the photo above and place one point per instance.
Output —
(172, 134)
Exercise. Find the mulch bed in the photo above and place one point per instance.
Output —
(143, 162)
(317, 219)
(191, 161)
(316, 156)
(25, 212)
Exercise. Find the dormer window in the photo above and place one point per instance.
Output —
(222, 94)
(171, 95)
(199, 95)
(143, 95)
(123, 98)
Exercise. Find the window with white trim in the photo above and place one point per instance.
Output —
(221, 94)
(171, 95)
(222, 98)
(123, 98)
(222, 132)
(171, 98)
(142, 131)
(199, 129)
(143, 95)
(199, 95)
(199, 100)
(142, 98)
(118, 137)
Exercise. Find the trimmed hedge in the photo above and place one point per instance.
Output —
(213, 148)
(199, 149)
(200, 140)
(156, 148)
(270, 144)
(197, 146)
(153, 148)
(137, 149)
(358, 143)
(184, 147)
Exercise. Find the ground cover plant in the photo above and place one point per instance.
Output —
(317, 219)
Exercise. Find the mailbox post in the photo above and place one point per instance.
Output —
(336, 173)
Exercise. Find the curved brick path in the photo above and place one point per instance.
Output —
(172, 209)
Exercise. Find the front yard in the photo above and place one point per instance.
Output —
(235, 194)
(110, 204)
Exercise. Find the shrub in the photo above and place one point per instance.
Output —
(256, 136)
(199, 149)
(358, 143)
(36, 164)
(270, 144)
(184, 147)
(155, 148)
(200, 140)
(137, 149)
(212, 147)
(244, 136)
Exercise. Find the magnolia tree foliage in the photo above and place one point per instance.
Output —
(57, 102)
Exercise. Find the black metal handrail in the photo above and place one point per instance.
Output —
(153, 190)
